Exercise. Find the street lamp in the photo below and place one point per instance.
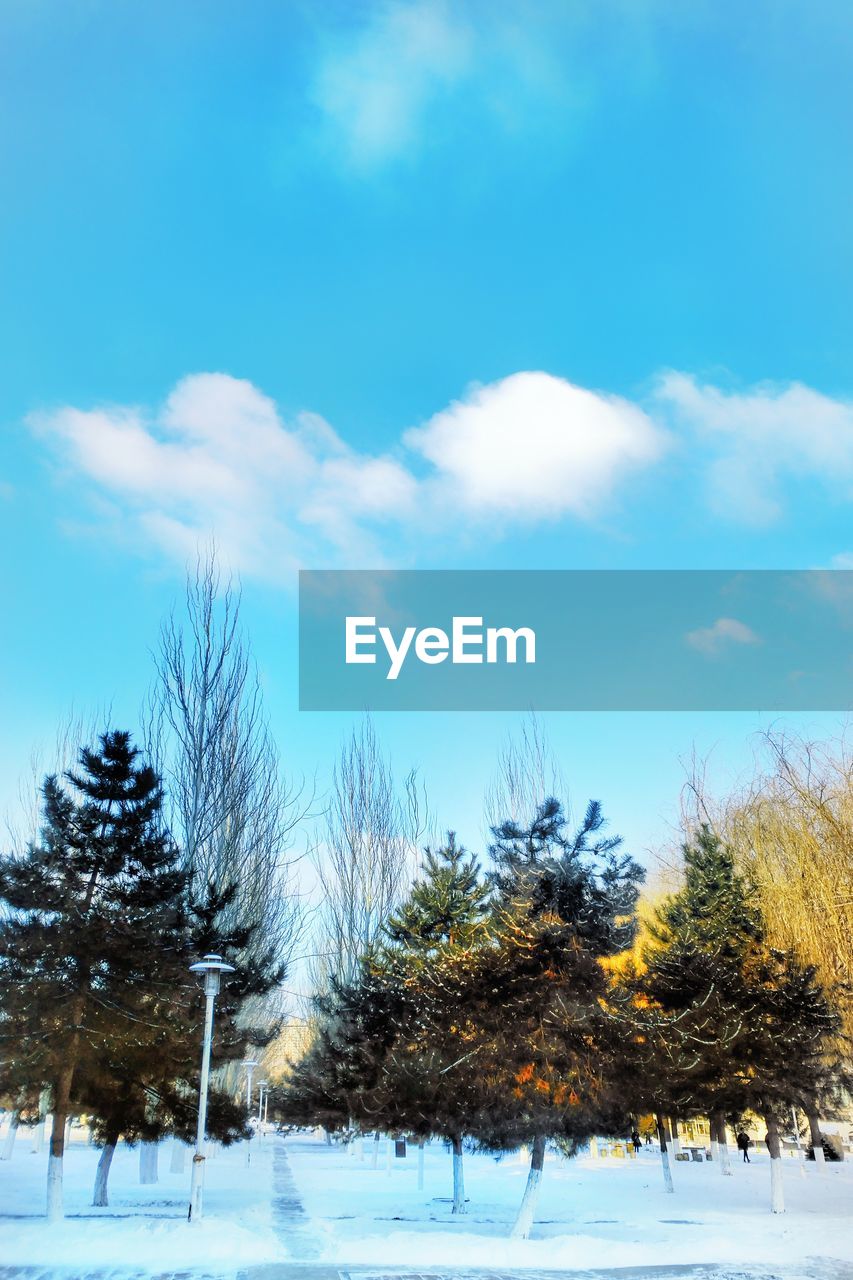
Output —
(212, 967)
(262, 1093)
(249, 1064)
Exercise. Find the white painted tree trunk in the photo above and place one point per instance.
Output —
(55, 1207)
(55, 1210)
(527, 1208)
(664, 1155)
(774, 1146)
(389, 1155)
(420, 1166)
(458, 1178)
(675, 1141)
(148, 1173)
(816, 1137)
(11, 1134)
(37, 1142)
(100, 1197)
(178, 1156)
(777, 1190)
(40, 1127)
(723, 1146)
(374, 1159)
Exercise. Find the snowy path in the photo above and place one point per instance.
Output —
(289, 1218)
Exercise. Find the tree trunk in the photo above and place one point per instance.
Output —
(664, 1154)
(389, 1154)
(178, 1156)
(774, 1146)
(715, 1146)
(55, 1208)
(816, 1136)
(61, 1108)
(674, 1140)
(421, 1165)
(102, 1173)
(723, 1145)
(148, 1174)
(374, 1159)
(458, 1178)
(527, 1208)
(9, 1143)
(40, 1127)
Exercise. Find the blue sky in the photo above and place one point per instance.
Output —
(366, 285)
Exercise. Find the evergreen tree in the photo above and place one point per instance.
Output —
(737, 1024)
(566, 901)
(447, 903)
(393, 1048)
(434, 1070)
(89, 912)
(144, 1085)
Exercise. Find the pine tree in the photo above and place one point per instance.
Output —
(433, 1070)
(393, 1048)
(567, 902)
(447, 903)
(737, 1024)
(89, 911)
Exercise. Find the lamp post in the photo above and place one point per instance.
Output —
(249, 1064)
(262, 1093)
(212, 967)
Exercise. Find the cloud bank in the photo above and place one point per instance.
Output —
(219, 458)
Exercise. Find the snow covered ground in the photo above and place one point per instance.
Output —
(144, 1227)
(591, 1213)
(338, 1210)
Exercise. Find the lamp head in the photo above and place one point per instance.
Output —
(212, 967)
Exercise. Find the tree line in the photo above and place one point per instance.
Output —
(513, 1006)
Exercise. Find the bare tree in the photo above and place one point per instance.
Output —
(229, 806)
(365, 854)
(790, 828)
(527, 773)
(75, 730)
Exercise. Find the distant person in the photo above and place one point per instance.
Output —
(744, 1142)
(635, 1138)
(648, 1139)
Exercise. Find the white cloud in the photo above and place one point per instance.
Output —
(752, 442)
(384, 83)
(218, 458)
(376, 88)
(721, 635)
(533, 446)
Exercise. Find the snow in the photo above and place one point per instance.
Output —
(601, 1212)
(144, 1226)
(591, 1213)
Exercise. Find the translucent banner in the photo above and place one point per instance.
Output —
(576, 640)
